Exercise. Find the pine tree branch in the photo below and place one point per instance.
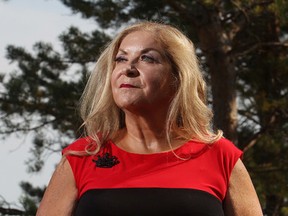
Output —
(11, 211)
(266, 169)
(19, 129)
(8, 210)
(253, 140)
(259, 45)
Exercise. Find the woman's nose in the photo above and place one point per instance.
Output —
(131, 70)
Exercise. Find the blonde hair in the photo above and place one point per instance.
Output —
(189, 116)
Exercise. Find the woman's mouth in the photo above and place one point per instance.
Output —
(127, 86)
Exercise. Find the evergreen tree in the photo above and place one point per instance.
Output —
(242, 46)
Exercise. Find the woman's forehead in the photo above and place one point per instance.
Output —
(140, 40)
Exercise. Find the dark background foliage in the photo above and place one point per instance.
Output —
(242, 47)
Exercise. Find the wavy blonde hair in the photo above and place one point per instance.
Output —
(189, 116)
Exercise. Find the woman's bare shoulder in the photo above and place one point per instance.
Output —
(241, 197)
(61, 193)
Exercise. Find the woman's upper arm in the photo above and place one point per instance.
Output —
(241, 197)
(61, 193)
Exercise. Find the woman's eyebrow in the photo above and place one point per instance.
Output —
(160, 52)
(150, 49)
(142, 51)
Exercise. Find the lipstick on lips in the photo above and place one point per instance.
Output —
(125, 85)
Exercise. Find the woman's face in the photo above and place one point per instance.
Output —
(142, 78)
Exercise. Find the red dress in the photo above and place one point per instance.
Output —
(153, 184)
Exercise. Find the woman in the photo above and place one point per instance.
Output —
(149, 148)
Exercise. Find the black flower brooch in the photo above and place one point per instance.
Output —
(106, 160)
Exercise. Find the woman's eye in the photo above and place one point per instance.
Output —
(148, 59)
(120, 59)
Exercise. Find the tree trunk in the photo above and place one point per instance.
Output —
(215, 44)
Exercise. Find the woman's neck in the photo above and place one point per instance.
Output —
(145, 134)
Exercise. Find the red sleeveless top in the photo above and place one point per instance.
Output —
(203, 173)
